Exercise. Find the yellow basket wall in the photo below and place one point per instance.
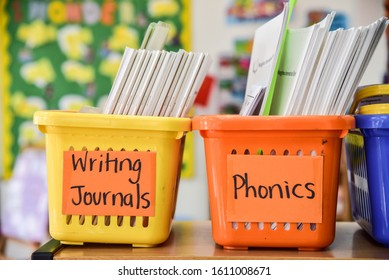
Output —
(68, 130)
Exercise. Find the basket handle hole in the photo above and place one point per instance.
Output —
(145, 222)
(81, 219)
(273, 226)
(132, 221)
(120, 221)
(68, 219)
(300, 153)
(287, 226)
(107, 220)
(300, 226)
(95, 220)
(261, 225)
(273, 152)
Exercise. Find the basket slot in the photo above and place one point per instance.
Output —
(363, 205)
(107, 220)
(68, 219)
(132, 221)
(273, 226)
(81, 219)
(119, 221)
(285, 152)
(358, 177)
(145, 222)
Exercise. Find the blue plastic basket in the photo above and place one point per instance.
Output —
(367, 152)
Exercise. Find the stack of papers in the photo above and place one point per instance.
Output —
(154, 82)
(264, 62)
(318, 72)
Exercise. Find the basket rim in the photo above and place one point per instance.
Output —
(274, 122)
(372, 121)
(92, 120)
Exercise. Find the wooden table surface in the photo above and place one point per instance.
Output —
(193, 240)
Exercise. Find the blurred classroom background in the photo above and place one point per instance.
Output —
(65, 54)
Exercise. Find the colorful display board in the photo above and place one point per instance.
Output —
(65, 54)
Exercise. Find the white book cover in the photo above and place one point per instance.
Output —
(151, 83)
(172, 85)
(295, 49)
(125, 96)
(206, 63)
(184, 91)
(120, 80)
(159, 83)
(314, 100)
(375, 33)
(301, 90)
(158, 36)
(178, 57)
(340, 74)
(145, 80)
(251, 102)
(322, 87)
(178, 86)
(352, 72)
(333, 58)
(265, 52)
(133, 97)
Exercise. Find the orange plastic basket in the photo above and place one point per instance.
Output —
(263, 139)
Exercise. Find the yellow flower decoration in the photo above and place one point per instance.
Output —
(122, 37)
(110, 66)
(74, 40)
(39, 73)
(36, 34)
(160, 8)
(77, 72)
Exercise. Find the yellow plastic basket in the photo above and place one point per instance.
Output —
(75, 131)
(370, 94)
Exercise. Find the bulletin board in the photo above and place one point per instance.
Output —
(65, 54)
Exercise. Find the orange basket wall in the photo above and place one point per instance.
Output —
(276, 135)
